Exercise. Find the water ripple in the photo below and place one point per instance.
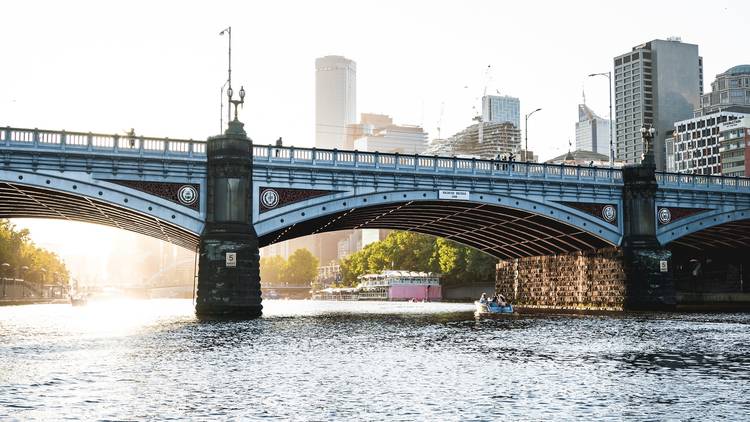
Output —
(144, 360)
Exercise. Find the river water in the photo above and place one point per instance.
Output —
(307, 360)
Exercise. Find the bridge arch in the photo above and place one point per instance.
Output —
(501, 225)
(80, 196)
(711, 229)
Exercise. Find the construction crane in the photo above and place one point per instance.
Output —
(487, 78)
(440, 120)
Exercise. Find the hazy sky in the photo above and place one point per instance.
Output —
(158, 66)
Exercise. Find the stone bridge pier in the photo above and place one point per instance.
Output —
(229, 261)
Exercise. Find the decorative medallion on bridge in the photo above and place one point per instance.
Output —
(667, 215)
(606, 212)
(185, 194)
(609, 213)
(271, 198)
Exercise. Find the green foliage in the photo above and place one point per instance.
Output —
(419, 252)
(271, 269)
(17, 249)
(301, 268)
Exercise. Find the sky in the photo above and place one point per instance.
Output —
(158, 67)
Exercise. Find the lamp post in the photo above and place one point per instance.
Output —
(228, 31)
(526, 132)
(22, 273)
(6, 267)
(611, 118)
(241, 101)
(647, 133)
(44, 280)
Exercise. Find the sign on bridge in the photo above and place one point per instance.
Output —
(461, 195)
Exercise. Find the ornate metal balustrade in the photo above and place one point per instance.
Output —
(101, 143)
(702, 182)
(345, 160)
(155, 148)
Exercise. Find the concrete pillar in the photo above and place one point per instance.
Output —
(648, 267)
(229, 262)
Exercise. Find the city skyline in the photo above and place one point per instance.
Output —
(94, 71)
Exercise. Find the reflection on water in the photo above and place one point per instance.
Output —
(309, 360)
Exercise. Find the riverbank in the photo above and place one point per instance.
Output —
(32, 301)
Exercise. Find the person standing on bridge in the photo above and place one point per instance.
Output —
(278, 145)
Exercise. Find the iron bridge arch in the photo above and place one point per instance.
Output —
(80, 196)
(500, 225)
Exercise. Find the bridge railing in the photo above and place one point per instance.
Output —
(430, 164)
(98, 142)
(699, 181)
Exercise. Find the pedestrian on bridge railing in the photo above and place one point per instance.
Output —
(278, 145)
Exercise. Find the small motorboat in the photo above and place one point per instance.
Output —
(492, 308)
(78, 300)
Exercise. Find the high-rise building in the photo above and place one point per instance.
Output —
(730, 91)
(335, 100)
(592, 131)
(657, 83)
(735, 147)
(498, 140)
(378, 133)
(694, 146)
(335, 110)
(501, 109)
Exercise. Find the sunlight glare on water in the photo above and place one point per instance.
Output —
(308, 360)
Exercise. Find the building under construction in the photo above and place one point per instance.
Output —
(494, 140)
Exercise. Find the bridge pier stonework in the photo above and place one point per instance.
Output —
(229, 262)
(647, 265)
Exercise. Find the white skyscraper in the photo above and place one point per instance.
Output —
(335, 100)
(592, 131)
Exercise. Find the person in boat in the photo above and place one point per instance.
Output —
(502, 301)
(483, 298)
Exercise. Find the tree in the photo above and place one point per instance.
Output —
(17, 249)
(271, 269)
(411, 251)
(301, 268)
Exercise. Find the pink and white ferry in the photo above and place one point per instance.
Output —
(400, 285)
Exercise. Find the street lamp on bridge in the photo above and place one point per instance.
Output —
(241, 101)
(526, 132)
(647, 133)
(228, 31)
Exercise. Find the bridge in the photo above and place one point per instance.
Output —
(227, 195)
